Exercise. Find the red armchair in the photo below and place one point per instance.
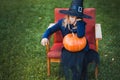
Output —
(93, 34)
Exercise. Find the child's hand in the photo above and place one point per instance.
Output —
(77, 21)
(44, 41)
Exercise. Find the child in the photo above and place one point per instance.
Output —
(72, 62)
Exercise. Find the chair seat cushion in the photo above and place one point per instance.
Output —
(55, 51)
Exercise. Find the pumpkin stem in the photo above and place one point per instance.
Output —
(73, 34)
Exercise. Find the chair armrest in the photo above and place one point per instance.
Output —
(51, 24)
(47, 48)
(48, 45)
(98, 32)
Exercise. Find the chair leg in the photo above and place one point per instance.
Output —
(48, 66)
(96, 72)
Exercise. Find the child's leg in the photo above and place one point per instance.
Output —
(67, 73)
(78, 66)
(75, 74)
(84, 74)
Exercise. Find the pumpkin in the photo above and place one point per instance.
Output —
(73, 43)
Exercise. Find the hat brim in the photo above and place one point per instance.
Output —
(74, 13)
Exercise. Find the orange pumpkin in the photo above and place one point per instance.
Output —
(72, 43)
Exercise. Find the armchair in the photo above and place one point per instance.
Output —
(93, 34)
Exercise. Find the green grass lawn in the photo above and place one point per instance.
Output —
(22, 23)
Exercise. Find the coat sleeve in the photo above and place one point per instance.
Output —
(80, 28)
(52, 29)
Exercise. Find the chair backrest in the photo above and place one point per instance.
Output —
(90, 26)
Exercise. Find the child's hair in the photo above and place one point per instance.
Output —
(66, 21)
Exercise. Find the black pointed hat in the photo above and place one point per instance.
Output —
(76, 9)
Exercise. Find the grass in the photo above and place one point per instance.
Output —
(22, 23)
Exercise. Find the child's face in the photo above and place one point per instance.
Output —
(72, 19)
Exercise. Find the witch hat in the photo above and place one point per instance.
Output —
(76, 9)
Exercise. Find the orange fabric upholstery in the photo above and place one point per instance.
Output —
(55, 50)
(90, 27)
(58, 16)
